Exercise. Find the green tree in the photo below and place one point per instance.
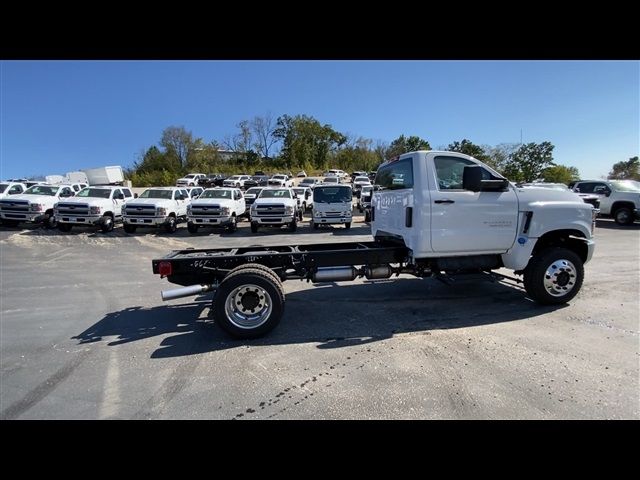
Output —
(629, 170)
(153, 160)
(560, 174)
(528, 162)
(305, 140)
(404, 144)
(178, 143)
(469, 148)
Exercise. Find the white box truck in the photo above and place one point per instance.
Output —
(105, 175)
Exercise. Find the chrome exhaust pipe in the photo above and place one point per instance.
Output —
(185, 292)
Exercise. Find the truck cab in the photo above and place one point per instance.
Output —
(216, 207)
(7, 189)
(156, 207)
(99, 206)
(446, 204)
(332, 204)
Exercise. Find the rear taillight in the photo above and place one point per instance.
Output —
(165, 268)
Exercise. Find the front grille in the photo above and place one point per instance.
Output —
(73, 209)
(205, 210)
(15, 206)
(141, 211)
(333, 215)
(269, 210)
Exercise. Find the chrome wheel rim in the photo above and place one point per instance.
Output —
(560, 278)
(248, 306)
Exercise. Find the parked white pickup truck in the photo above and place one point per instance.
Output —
(332, 204)
(190, 180)
(236, 181)
(305, 199)
(618, 198)
(216, 207)
(156, 206)
(35, 205)
(280, 180)
(100, 206)
(275, 207)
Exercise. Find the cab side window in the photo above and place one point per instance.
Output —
(397, 175)
(238, 195)
(127, 193)
(449, 171)
(15, 190)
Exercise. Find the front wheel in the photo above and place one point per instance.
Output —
(50, 221)
(249, 303)
(107, 224)
(193, 229)
(233, 226)
(294, 224)
(367, 216)
(64, 227)
(347, 225)
(623, 216)
(128, 228)
(314, 225)
(254, 227)
(553, 276)
(171, 226)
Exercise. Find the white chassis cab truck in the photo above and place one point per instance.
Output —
(99, 206)
(275, 207)
(332, 204)
(216, 207)
(35, 205)
(155, 207)
(437, 214)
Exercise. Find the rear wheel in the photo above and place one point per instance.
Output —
(249, 303)
(171, 226)
(107, 224)
(553, 276)
(193, 228)
(623, 216)
(64, 227)
(128, 228)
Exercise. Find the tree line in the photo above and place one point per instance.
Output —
(301, 142)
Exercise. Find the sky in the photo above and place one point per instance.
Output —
(61, 116)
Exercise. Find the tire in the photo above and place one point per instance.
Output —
(233, 226)
(171, 226)
(262, 292)
(49, 221)
(193, 229)
(128, 228)
(293, 226)
(347, 225)
(300, 214)
(539, 281)
(254, 227)
(264, 268)
(314, 225)
(107, 224)
(623, 216)
(367, 216)
(10, 223)
(64, 227)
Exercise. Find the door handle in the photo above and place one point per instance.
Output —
(444, 201)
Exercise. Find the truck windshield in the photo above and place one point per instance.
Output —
(275, 194)
(3, 187)
(153, 193)
(299, 191)
(42, 190)
(189, 176)
(625, 186)
(253, 191)
(216, 194)
(362, 179)
(94, 193)
(331, 195)
(235, 177)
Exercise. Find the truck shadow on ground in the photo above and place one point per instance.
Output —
(331, 315)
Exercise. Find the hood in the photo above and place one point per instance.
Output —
(538, 196)
(211, 201)
(85, 200)
(267, 201)
(147, 201)
(34, 198)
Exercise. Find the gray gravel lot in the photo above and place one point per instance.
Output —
(85, 335)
